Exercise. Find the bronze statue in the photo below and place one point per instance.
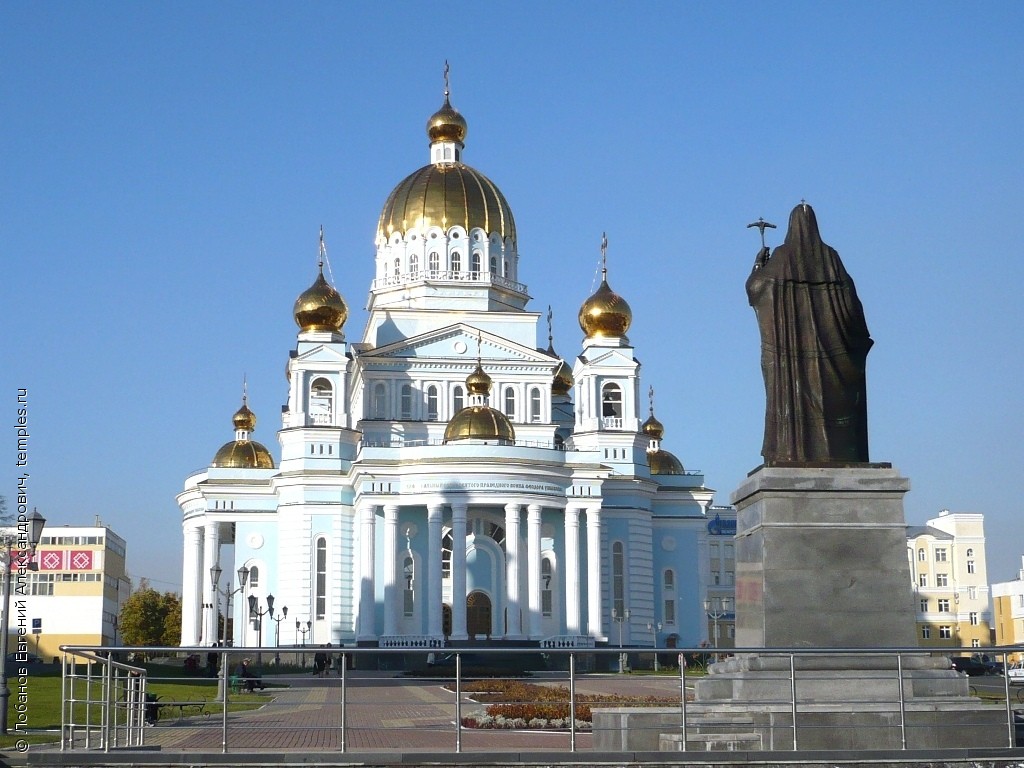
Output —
(814, 348)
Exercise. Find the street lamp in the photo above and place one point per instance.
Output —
(303, 629)
(619, 618)
(654, 628)
(243, 578)
(28, 532)
(277, 634)
(717, 609)
(256, 615)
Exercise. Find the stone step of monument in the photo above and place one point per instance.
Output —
(710, 742)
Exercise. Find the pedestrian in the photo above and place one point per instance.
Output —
(319, 663)
(211, 662)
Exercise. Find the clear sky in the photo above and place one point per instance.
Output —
(165, 168)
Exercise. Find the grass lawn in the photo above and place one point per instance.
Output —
(44, 699)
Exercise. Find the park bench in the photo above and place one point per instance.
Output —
(194, 707)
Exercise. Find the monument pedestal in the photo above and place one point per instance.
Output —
(821, 562)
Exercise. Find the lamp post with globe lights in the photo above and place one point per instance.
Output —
(654, 627)
(228, 593)
(716, 609)
(25, 537)
(620, 618)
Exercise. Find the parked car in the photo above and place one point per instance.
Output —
(969, 666)
(23, 658)
(1016, 672)
(994, 664)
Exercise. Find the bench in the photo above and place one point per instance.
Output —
(197, 707)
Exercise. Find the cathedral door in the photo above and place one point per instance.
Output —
(478, 614)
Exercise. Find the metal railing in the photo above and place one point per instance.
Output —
(491, 699)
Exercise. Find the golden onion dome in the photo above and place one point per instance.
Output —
(479, 422)
(320, 307)
(563, 380)
(447, 195)
(447, 124)
(478, 382)
(605, 313)
(244, 418)
(664, 463)
(243, 454)
(653, 428)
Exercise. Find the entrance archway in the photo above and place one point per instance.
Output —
(478, 614)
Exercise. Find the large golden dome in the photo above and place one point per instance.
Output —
(320, 307)
(664, 463)
(605, 313)
(479, 422)
(446, 195)
(243, 454)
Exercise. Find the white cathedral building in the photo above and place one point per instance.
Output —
(446, 480)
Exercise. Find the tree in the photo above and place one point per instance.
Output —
(149, 617)
(5, 518)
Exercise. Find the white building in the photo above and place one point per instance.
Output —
(447, 477)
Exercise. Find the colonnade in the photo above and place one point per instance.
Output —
(198, 609)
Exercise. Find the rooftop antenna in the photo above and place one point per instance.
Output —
(761, 224)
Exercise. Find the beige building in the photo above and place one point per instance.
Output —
(75, 596)
(950, 581)
(1008, 611)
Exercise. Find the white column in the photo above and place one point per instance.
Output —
(191, 587)
(435, 513)
(211, 554)
(594, 628)
(572, 571)
(459, 572)
(533, 568)
(391, 592)
(513, 609)
(365, 629)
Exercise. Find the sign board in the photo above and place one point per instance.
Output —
(37, 626)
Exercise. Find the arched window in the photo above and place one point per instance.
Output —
(506, 268)
(535, 414)
(320, 579)
(434, 263)
(456, 261)
(406, 401)
(321, 401)
(414, 264)
(611, 401)
(970, 552)
(408, 591)
(669, 597)
(398, 267)
(475, 264)
(494, 264)
(458, 398)
(670, 579)
(431, 403)
(618, 579)
(510, 402)
(921, 555)
(254, 577)
(546, 588)
(380, 401)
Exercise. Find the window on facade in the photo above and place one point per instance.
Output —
(973, 618)
(506, 272)
(431, 403)
(924, 606)
(926, 632)
(670, 579)
(535, 414)
(398, 267)
(972, 593)
(546, 593)
(408, 591)
(922, 580)
(670, 611)
(940, 555)
(921, 555)
(456, 261)
(474, 263)
(458, 398)
(406, 401)
(941, 580)
(945, 632)
(494, 264)
(414, 264)
(446, 555)
(380, 401)
(254, 577)
(321, 399)
(618, 579)
(970, 566)
(970, 552)
(611, 401)
(320, 579)
(434, 261)
(510, 402)
(943, 606)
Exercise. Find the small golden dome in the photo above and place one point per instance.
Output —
(605, 313)
(664, 463)
(563, 381)
(243, 454)
(478, 382)
(479, 422)
(244, 418)
(320, 307)
(653, 428)
(447, 124)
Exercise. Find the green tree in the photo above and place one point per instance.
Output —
(149, 617)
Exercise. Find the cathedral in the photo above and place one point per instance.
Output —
(447, 479)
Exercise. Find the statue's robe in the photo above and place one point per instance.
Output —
(814, 347)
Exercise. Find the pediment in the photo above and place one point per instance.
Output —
(458, 343)
(612, 358)
(322, 354)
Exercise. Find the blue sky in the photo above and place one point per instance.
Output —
(165, 169)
